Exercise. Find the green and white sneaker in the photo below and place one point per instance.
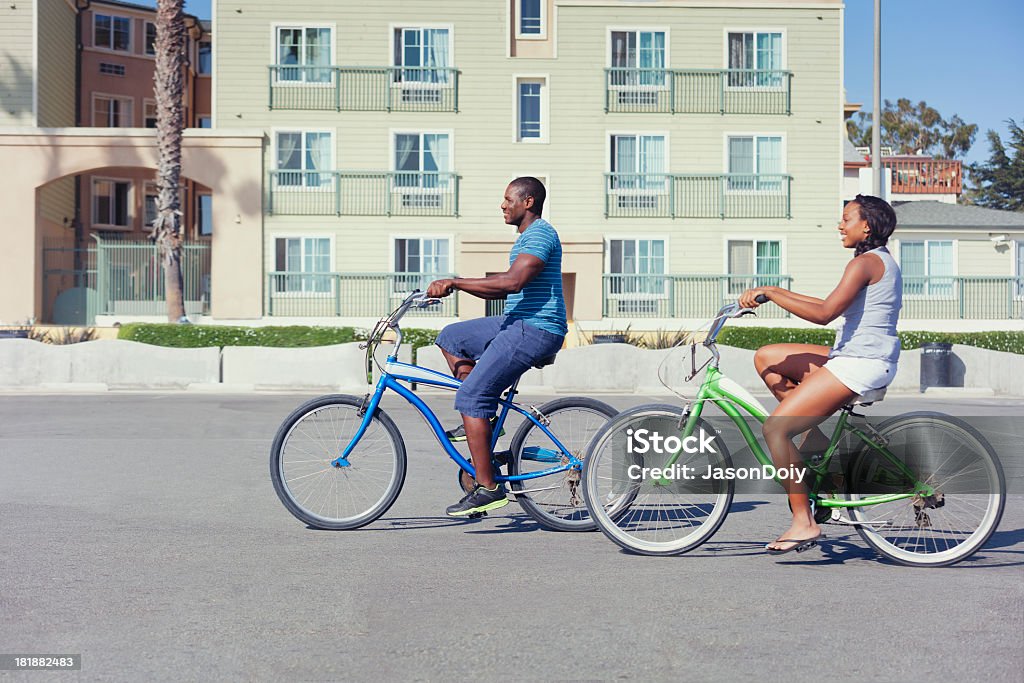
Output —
(459, 433)
(479, 500)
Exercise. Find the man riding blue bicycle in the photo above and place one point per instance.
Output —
(489, 354)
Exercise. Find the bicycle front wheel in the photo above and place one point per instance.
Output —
(953, 459)
(556, 501)
(328, 497)
(646, 512)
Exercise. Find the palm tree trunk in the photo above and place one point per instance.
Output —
(170, 46)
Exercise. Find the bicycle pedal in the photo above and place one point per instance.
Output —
(477, 515)
(807, 546)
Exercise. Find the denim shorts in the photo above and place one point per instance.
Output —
(504, 348)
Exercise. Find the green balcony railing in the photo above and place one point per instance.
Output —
(697, 91)
(962, 297)
(363, 193)
(682, 296)
(729, 195)
(363, 88)
(352, 295)
(130, 278)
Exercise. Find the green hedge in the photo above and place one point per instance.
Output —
(756, 337)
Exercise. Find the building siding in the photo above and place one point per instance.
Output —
(56, 36)
(16, 69)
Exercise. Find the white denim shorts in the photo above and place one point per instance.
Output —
(861, 374)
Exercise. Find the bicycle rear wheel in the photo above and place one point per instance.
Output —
(328, 497)
(951, 457)
(645, 513)
(556, 501)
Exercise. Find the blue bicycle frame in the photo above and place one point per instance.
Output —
(396, 372)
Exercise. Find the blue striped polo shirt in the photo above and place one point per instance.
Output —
(540, 303)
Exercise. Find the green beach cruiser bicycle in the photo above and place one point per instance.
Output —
(339, 461)
(922, 489)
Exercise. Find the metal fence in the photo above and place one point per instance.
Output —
(363, 193)
(728, 195)
(963, 297)
(682, 296)
(359, 295)
(363, 88)
(697, 91)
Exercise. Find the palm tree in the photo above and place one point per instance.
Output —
(168, 82)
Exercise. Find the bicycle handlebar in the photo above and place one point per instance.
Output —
(761, 299)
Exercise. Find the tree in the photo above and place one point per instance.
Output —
(168, 82)
(999, 182)
(913, 128)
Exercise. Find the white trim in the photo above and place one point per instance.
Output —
(766, 29)
(145, 101)
(131, 32)
(35, 63)
(393, 132)
(421, 25)
(924, 240)
(1018, 272)
(145, 23)
(283, 234)
(607, 266)
(545, 108)
(543, 22)
(637, 29)
(276, 130)
(782, 239)
(302, 25)
(130, 208)
(609, 134)
(421, 236)
(622, 236)
(92, 108)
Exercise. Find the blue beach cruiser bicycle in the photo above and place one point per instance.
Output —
(339, 461)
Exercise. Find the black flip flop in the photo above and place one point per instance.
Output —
(799, 544)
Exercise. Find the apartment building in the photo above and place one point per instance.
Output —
(690, 148)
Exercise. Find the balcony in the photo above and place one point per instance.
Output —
(728, 195)
(371, 88)
(968, 297)
(925, 176)
(353, 295)
(697, 91)
(682, 296)
(363, 193)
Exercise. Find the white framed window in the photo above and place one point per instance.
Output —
(418, 261)
(638, 58)
(111, 32)
(204, 215)
(422, 164)
(109, 111)
(531, 107)
(204, 58)
(928, 267)
(302, 54)
(150, 38)
(755, 162)
(638, 164)
(299, 154)
(755, 262)
(422, 55)
(531, 19)
(111, 203)
(305, 264)
(149, 113)
(636, 267)
(755, 58)
(151, 196)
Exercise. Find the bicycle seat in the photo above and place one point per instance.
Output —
(544, 361)
(868, 397)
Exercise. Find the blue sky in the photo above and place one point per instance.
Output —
(960, 56)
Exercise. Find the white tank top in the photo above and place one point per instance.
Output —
(869, 323)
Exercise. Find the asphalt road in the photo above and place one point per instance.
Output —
(141, 531)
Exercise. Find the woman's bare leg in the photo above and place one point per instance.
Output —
(783, 367)
(804, 407)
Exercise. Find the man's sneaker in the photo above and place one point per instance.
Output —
(459, 433)
(480, 500)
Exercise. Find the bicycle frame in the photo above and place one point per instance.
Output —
(396, 372)
(731, 398)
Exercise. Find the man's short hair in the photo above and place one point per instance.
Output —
(528, 186)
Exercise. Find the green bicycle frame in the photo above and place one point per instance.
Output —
(731, 398)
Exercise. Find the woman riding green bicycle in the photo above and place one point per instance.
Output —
(812, 382)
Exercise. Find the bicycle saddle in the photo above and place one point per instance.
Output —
(868, 397)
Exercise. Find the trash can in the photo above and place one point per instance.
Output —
(936, 364)
(609, 339)
(13, 334)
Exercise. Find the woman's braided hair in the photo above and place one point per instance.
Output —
(881, 220)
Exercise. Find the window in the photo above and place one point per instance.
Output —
(205, 122)
(306, 50)
(531, 110)
(927, 267)
(756, 59)
(307, 262)
(110, 202)
(427, 256)
(638, 169)
(531, 18)
(149, 114)
(112, 33)
(422, 160)
(204, 219)
(636, 267)
(638, 59)
(150, 38)
(424, 55)
(755, 162)
(300, 154)
(205, 62)
(111, 69)
(759, 261)
(112, 112)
